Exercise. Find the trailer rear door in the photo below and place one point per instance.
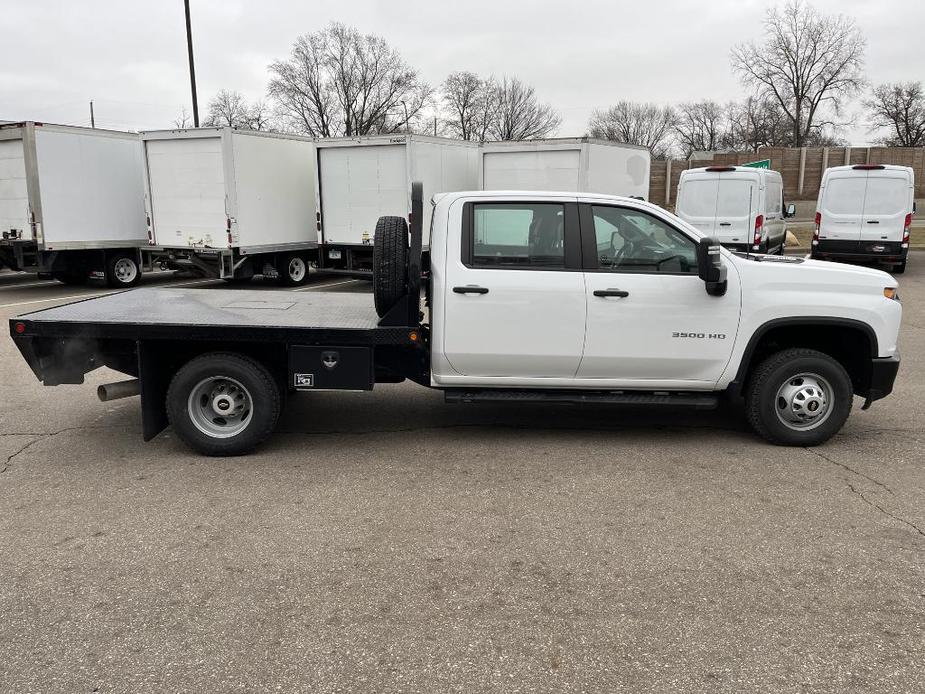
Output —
(14, 196)
(187, 192)
(554, 170)
(358, 185)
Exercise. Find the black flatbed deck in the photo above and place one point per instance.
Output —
(225, 314)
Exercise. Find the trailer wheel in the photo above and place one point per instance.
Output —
(223, 404)
(292, 269)
(798, 397)
(390, 262)
(122, 271)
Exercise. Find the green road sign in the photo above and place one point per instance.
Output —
(763, 164)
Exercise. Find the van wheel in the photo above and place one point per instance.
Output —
(292, 269)
(122, 271)
(223, 404)
(390, 262)
(798, 397)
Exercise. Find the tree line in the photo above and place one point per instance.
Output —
(800, 77)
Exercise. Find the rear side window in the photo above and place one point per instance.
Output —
(735, 198)
(518, 235)
(845, 195)
(886, 196)
(698, 198)
(774, 203)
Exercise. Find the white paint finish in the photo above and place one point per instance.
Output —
(737, 206)
(533, 169)
(617, 170)
(441, 167)
(14, 195)
(358, 185)
(91, 188)
(186, 191)
(275, 191)
(887, 201)
(841, 204)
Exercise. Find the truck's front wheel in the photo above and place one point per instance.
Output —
(122, 271)
(223, 404)
(798, 397)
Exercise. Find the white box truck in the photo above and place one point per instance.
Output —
(232, 203)
(579, 164)
(363, 178)
(71, 203)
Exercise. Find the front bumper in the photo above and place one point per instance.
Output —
(886, 251)
(882, 376)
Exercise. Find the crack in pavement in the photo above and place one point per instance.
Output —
(882, 510)
(41, 437)
(22, 449)
(848, 468)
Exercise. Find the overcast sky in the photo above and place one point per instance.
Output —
(129, 56)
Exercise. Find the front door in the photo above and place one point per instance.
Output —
(651, 323)
(515, 295)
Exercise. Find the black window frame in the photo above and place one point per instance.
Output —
(589, 257)
(571, 232)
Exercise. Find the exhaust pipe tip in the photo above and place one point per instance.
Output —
(116, 391)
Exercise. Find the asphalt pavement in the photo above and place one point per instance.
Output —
(389, 542)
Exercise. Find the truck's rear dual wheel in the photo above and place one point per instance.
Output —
(293, 269)
(223, 404)
(122, 271)
(390, 262)
(798, 397)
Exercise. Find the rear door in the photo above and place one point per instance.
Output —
(735, 208)
(697, 201)
(14, 195)
(552, 170)
(886, 204)
(187, 192)
(358, 185)
(842, 206)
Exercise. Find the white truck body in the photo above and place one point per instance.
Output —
(741, 207)
(71, 188)
(566, 164)
(223, 188)
(363, 178)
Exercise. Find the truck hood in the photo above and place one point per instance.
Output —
(810, 272)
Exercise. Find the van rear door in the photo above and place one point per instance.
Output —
(736, 203)
(842, 206)
(888, 201)
(697, 201)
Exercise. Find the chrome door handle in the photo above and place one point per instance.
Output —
(611, 292)
(470, 289)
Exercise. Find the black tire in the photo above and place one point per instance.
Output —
(71, 278)
(243, 375)
(293, 269)
(122, 270)
(763, 404)
(390, 262)
(899, 269)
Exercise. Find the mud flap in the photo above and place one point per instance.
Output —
(154, 374)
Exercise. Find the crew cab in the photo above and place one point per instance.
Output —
(532, 296)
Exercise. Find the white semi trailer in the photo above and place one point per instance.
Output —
(580, 164)
(363, 178)
(71, 203)
(232, 203)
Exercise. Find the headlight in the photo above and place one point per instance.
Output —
(891, 293)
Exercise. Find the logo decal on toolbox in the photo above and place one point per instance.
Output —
(303, 380)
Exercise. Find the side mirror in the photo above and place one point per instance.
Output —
(791, 211)
(710, 266)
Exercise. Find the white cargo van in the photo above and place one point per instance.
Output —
(580, 164)
(233, 203)
(363, 178)
(864, 212)
(71, 202)
(740, 206)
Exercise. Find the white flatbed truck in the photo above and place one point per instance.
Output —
(533, 296)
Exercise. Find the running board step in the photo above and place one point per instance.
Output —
(700, 401)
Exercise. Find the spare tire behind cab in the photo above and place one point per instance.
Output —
(390, 262)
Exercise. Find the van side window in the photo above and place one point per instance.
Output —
(774, 202)
(518, 235)
(630, 240)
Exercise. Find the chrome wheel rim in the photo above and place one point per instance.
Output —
(125, 270)
(220, 407)
(804, 401)
(297, 269)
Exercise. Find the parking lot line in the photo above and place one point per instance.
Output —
(88, 296)
(30, 284)
(323, 286)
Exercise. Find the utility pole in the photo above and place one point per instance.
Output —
(192, 67)
(92, 119)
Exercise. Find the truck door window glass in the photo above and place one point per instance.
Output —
(735, 198)
(844, 195)
(698, 198)
(518, 235)
(634, 241)
(886, 196)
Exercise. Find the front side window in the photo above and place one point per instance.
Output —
(518, 235)
(633, 241)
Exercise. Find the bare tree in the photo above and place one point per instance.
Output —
(808, 62)
(517, 113)
(471, 104)
(700, 127)
(755, 123)
(228, 108)
(340, 82)
(900, 107)
(184, 120)
(649, 125)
